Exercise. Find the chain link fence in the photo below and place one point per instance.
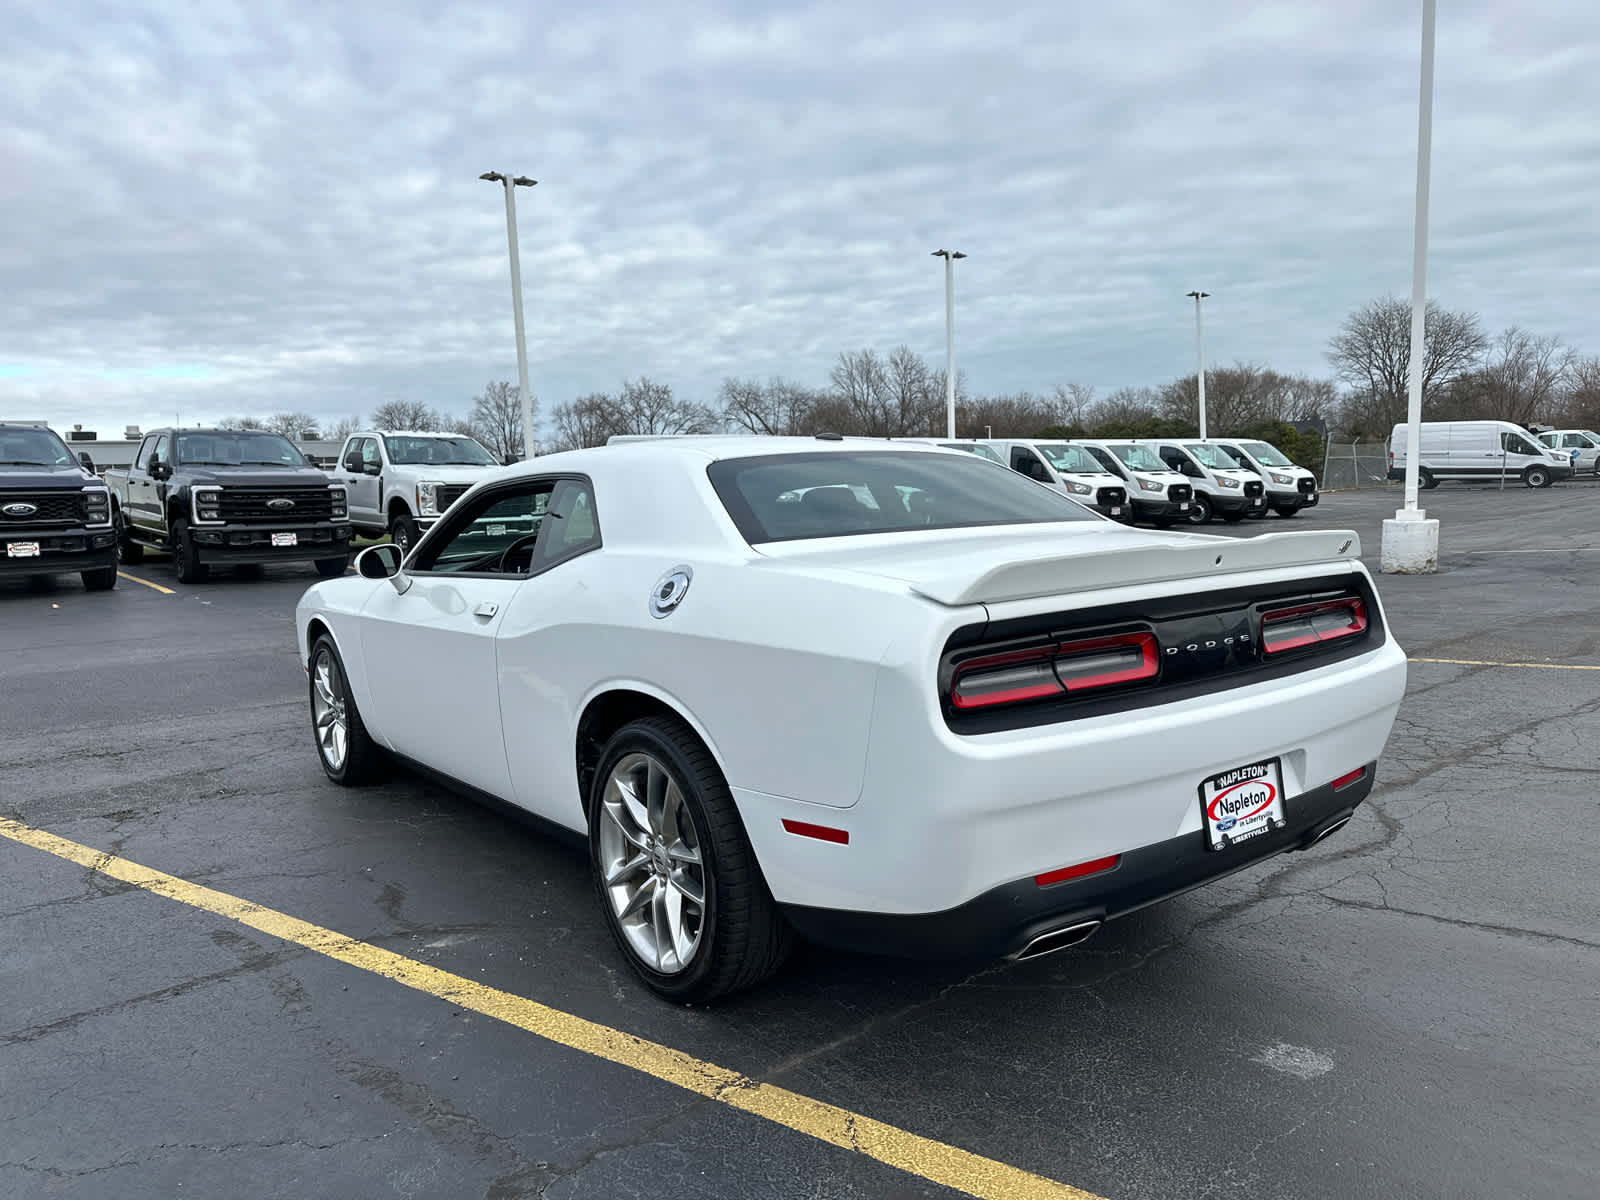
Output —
(1349, 465)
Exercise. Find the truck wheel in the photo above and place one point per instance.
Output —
(128, 550)
(1536, 477)
(99, 579)
(328, 568)
(677, 880)
(183, 556)
(1200, 510)
(1425, 479)
(345, 749)
(403, 532)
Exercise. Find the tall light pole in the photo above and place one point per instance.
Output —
(949, 257)
(511, 183)
(1200, 350)
(1410, 540)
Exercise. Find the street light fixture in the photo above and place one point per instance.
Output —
(511, 183)
(1200, 351)
(949, 257)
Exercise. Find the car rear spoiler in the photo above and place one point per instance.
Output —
(1083, 571)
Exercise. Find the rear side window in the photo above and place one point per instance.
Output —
(792, 496)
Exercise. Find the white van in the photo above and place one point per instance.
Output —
(1070, 471)
(1289, 488)
(1477, 450)
(1156, 493)
(1222, 488)
(971, 445)
(1581, 445)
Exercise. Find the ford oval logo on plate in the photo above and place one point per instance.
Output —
(669, 591)
(280, 503)
(20, 510)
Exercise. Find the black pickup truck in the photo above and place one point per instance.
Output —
(227, 497)
(55, 515)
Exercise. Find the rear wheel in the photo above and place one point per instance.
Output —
(346, 750)
(1425, 479)
(189, 569)
(677, 880)
(1200, 510)
(1536, 477)
(99, 579)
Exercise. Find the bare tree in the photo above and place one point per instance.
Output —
(587, 421)
(496, 420)
(406, 414)
(1580, 405)
(861, 384)
(292, 424)
(241, 423)
(341, 429)
(776, 407)
(915, 409)
(1125, 406)
(1073, 402)
(1521, 379)
(1372, 353)
(646, 406)
(1021, 414)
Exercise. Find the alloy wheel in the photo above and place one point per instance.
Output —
(328, 710)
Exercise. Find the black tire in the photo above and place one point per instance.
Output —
(364, 760)
(328, 568)
(1233, 518)
(1286, 510)
(403, 532)
(99, 579)
(1200, 510)
(1597, 468)
(1425, 479)
(183, 558)
(742, 936)
(1536, 477)
(128, 550)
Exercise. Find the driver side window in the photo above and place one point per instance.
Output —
(496, 535)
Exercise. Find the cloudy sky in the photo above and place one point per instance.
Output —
(220, 208)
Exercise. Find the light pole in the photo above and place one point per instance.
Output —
(511, 183)
(949, 257)
(1200, 350)
(1410, 540)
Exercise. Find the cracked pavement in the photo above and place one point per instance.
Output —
(1411, 1008)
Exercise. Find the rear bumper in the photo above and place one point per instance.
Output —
(60, 551)
(223, 544)
(1003, 920)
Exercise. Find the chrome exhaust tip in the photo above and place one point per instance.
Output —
(1330, 830)
(1058, 939)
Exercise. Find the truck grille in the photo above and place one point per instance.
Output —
(449, 493)
(1108, 496)
(1307, 486)
(1179, 492)
(1254, 487)
(253, 506)
(50, 508)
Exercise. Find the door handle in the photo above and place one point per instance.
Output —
(486, 609)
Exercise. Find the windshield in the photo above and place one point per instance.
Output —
(33, 448)
(236, 448)
(1263, 453)
(784, 497)
(1138, 458)
(981, 451)
(459, 451)
(1211, 456)
(1070, 460)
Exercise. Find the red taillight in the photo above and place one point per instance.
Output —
(1093, 867)
(1345, 781)
(1311, 624)
(1059, 669)
(823, 833)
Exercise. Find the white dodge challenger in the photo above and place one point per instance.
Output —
(888, 698)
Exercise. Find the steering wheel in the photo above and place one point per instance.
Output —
(525, 542)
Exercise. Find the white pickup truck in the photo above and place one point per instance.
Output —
(400, 482)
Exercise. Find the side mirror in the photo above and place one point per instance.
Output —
(85, 461)
(383, 562)
(157, 468)
(353, 464)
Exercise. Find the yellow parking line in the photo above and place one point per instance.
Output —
(1473, 662)
(935, 1161)
(165, 591)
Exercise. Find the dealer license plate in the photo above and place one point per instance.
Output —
(22, 549)
(286, 539)
(1242, 803)
(1257, 502)
(1116, 510)
(1183, 506)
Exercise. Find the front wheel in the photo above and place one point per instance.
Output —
(676, 877)
(1200, 510)
(403, 532)
(99, 579)
(184, 561)
(346, 750)
(327, 568)
(1536, 477)
(128, 550)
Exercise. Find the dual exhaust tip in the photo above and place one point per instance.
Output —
(1058, 939)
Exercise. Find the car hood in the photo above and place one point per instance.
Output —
(1096, 478)
(433, 473)
(255, 476)
(977, 566)
(43, 479)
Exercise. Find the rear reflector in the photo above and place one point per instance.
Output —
(1345, 781)
(1312, 624)
(823, 833)
(1093, 867)
(1066, 667)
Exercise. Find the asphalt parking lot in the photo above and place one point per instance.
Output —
(1409, 1009)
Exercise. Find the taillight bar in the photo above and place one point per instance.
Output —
(1312, 624)
(1058, 669)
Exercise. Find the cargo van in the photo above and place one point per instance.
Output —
(970, 445)
(1289, 488)
(1222, 488)
(1156, 493)
(1581, 445)
(1071, 471)
(1491, 451)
